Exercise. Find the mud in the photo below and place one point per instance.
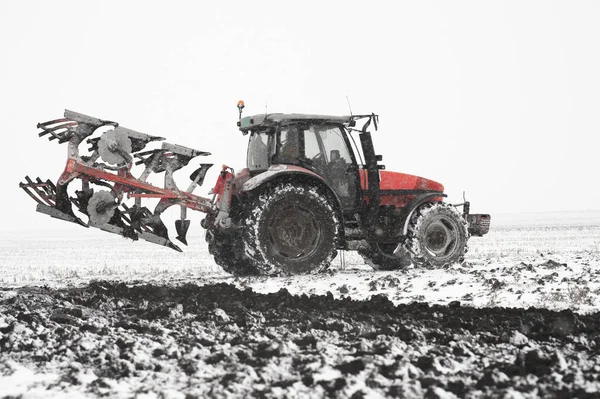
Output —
(216, 340)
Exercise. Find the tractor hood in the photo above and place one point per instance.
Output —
(402, 181)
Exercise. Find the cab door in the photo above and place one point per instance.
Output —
(329, 155)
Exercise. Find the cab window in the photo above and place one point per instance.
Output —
(258, 156)
(334, 144)
(311, 144)
(288, 145)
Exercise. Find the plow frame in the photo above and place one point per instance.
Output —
(131, 222)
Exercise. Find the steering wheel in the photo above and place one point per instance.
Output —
(318, 160)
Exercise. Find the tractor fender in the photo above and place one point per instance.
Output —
(412, 206)
(277, 173)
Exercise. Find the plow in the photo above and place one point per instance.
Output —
(307, 191)
(106, 182)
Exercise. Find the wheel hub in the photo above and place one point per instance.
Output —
(294, 233)
(440, 238)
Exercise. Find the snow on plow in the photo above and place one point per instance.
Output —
(107, 182)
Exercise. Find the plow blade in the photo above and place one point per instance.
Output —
(182, 226)
(138, 223)
(146, 236)
(48, 202)
(55, 213)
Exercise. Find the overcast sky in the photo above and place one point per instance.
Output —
(498, 99)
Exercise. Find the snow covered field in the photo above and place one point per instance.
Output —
(70, 327)
(548, 259)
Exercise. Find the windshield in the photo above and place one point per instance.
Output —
(258, 156)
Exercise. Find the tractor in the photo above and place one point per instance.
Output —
(307, 191)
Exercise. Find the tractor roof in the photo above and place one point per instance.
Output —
(249, 122)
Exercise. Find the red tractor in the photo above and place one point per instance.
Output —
(308, 191)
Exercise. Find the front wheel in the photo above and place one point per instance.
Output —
(437, 235)
(291, 229)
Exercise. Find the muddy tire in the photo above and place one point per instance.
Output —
(291, 229)
(437, 235)
(228, 252)
(380, 256)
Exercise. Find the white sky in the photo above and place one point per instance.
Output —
(499, 99)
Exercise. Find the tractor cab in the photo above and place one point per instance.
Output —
(317, 143)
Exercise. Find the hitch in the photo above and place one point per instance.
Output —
(479, 224)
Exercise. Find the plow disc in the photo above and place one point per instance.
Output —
(106, 180)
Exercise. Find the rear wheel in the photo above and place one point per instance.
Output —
(437, 235)
(227, 250)
(380, 256)
(291, 229)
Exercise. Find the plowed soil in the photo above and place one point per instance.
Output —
(184, 341)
